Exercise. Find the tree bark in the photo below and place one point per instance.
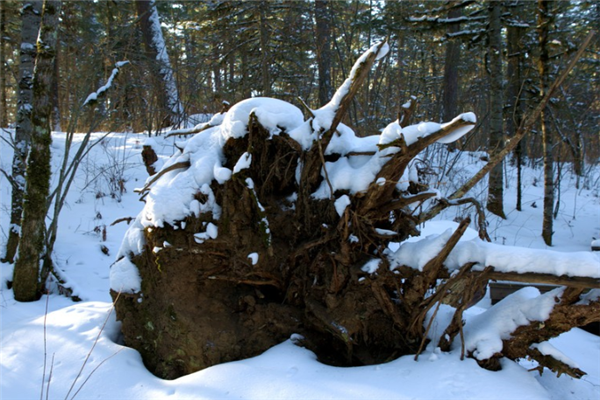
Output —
(452, 58)
(26, 283)
(3, 69)
(495, 202)
(56, 126)
(323, 38)
(547, 140)
(263, 30)
(161, 66)
(514, 93)
(29, 30)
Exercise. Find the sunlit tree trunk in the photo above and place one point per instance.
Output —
(31, 12)
(495, 203)
(26, 283)
(157, 50)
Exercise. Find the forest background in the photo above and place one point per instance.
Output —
(442, 52)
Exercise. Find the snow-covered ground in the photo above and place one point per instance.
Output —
(73, 349)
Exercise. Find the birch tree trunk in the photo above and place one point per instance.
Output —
(31, 12)
(26, 283)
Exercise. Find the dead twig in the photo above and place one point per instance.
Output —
(124, 219)
(179, 165)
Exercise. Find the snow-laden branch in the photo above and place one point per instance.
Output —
(93, 97)
(330, 115)
(503, 259)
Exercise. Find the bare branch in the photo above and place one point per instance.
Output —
(179, 165)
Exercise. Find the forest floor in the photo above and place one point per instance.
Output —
(57, 348)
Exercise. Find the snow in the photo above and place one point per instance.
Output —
(502, 258)
(323, 117)
(523, 260)
(74, 331)
(243, 163)
(212, 232)
(418, 254)
(371, 266)
(484, 333)
(125, 277)
(547, 349)
(273, 114)
(253, 258)
(341, 203)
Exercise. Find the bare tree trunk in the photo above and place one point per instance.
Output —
(543, 29)
(323, 37)
(26, 283)
(155, 46)
(495, 203)
(264, 48)
(3, 111)
(55, 88)
(29, 30)
(452, 57)
(514, 91)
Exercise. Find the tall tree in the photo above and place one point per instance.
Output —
(544, 21)
(31, 12)
(323, 38)
(452, 57)
(3, 103)
(264, 34)
(495, 203)
(26, 283)
(515, 50)
(157, 50)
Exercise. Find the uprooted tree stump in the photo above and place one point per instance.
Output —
(253, 233)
